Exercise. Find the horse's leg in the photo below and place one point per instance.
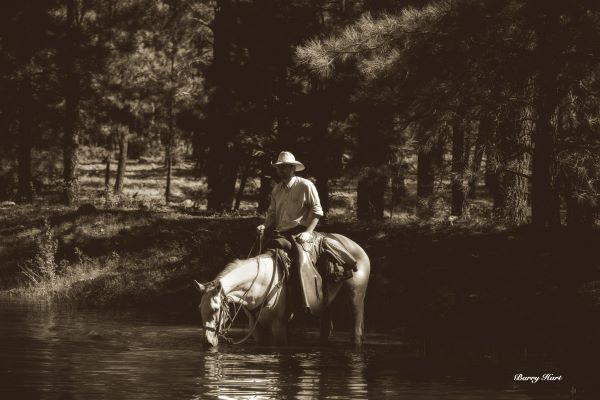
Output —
(265, 335)
(279, 332)
(327, 314)
(256, 334)
(326, 324)
(357, 297)
(260, 334)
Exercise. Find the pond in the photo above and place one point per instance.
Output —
(50, 352)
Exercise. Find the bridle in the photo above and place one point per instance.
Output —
(224, 316)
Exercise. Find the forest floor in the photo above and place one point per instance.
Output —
(468, 279)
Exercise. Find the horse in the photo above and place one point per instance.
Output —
(258, 286)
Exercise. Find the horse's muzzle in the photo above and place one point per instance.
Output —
(209, 339)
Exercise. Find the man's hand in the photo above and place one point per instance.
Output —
(305, 237)
(260, 229)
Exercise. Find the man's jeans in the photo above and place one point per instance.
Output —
(283, 240)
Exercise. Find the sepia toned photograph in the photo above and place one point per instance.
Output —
(300, 199)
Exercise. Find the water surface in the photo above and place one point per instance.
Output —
(52, 352)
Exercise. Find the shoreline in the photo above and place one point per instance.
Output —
(437, 275)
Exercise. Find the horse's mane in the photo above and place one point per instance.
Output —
(235, 264)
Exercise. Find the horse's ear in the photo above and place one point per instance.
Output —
(200, 287)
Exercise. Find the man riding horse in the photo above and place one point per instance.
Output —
(258, 284)
(293, 214)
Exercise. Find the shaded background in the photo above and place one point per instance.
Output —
(456, 141)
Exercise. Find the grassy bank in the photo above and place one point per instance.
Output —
(422, 274)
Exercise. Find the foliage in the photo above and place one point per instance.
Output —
(465, 60)
(465, 90)
(42, 267)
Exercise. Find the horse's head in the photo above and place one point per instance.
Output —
(212, 310)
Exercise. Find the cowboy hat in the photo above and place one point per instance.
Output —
(287, 158)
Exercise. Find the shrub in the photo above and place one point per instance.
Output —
(42, 267)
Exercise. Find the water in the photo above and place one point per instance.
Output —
(61, 353)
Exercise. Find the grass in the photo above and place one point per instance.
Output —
(144, 185)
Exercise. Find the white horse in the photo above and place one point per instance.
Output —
(258, 286)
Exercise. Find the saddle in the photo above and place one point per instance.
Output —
(318, 263)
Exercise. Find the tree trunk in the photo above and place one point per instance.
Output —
(576, 177)
(222, 175)
(170, 123)
(230, 174)
(370, 195)
(71, 87)
(458, 166)
(515, 194)
(109, 150)
(169, 159)
(25, 137)
(494, 171)
(398, 185)
(425, 181)
(107, 171)
(371, 159)
(222, 157)
(169, 144)
(243, 180)
(486, 126)
(428, 161)
(545, 205)
(475, 168)
(321, 112)
(512, 140)
(322, 186)
(516, 180)
(515, 185)
(545, 202)
(264, 194)
(122, 163)
(213, 177)
(25, 192)
(70, 147)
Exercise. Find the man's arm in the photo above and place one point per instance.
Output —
(312, 223)
(316, 212)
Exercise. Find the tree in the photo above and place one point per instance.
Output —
(71, 80)
(449, 53)
(26, 79)
(153, 74)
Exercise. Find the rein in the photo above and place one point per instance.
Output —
(258, 237)
(225, 315)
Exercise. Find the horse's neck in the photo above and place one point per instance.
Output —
(253, 273)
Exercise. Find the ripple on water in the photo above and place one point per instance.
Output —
(50, 352)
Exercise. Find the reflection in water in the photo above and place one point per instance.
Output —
(52, 353)
(323, 373)
(240, 375)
